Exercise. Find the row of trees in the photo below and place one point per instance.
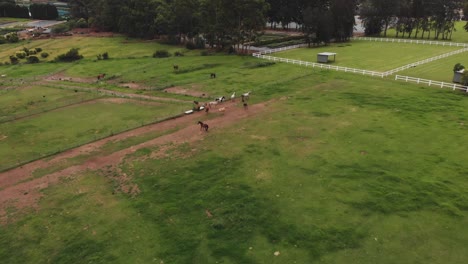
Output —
(221, 22)
(8, 8)
(411, 18)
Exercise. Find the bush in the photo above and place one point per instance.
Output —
(14, 60)
(61, 28)
(12, 37)
(44, 55)
(32, 52)
(161, 54)
(81, 23)
(72, 55)
(33, 59)
(21, 54)
(178, 54)
(190, 46)
(205, 53)
(38, 50)
(2, 39)
(458, 67)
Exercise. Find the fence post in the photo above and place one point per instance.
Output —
(454, 86)
(430, 82)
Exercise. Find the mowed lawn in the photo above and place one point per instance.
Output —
(338, 169)
(440, 70)
(369, 55)
(55, 131)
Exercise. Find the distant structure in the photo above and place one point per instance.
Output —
(324, 57)
(458, 76)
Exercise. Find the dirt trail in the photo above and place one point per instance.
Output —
(18, 188)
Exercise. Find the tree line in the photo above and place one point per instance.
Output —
(411, 18)
(8, 8)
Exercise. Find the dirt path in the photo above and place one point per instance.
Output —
(18, 188)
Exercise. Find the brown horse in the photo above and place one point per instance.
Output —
(203, 126)
(101, 76)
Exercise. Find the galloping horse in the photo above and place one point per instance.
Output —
(203, 126)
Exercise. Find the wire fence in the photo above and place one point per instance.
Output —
(413, 41)
(452, 86)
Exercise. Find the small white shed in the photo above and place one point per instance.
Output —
(324, 57)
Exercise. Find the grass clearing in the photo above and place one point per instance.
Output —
(440, 70)
(340, 168)
(369, 55)
(54, 131)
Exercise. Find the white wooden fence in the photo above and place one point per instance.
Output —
(432, 83)
(414, 41)
(411, 65)
(270, 51)
(319, 65)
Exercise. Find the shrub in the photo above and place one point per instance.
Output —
(190, 46)
(32, 52)
(38, 49)
(44, 55)
(205, 53)
(14, 60)
(33, 59)
(61, 28)
(178, 54)
(72, 55)
(81, 23)
(458, 67)
(12, 37)
(161, 54)
(2, 39)
(21, 54)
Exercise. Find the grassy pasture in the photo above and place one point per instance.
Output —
(369, 55)
(351, 169)
(36, 99)
(117, 47)
(54, 131)
(340, 169)
(440, 70)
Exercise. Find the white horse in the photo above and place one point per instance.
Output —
(245, 96)
(233, 96)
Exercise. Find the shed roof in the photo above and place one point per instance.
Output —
(327, 53)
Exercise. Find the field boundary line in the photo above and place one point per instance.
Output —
(413, 41)
(452, 86)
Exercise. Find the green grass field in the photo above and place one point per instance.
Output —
(117, 47)
(340, 168)
(53, 131)
(440, 70)
(369, 55)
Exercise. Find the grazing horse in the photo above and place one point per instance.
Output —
(101, 76)
(213, 103)
(203, 126)
(176, 67)
(213, 75)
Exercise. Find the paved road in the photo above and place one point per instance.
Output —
(32, 23)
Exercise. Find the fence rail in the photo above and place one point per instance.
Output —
(411, 65)
(269, 51)
(452, 86)
(319, 65)
(414, 41)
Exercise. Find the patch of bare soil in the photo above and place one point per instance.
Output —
(183, 91)
(2, 137)
(18, 188)
(60, 76)
(131, 85)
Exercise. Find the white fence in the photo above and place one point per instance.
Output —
(411, 65)
(270, 51)
(414, 41)
(432, 83)
(319, 65)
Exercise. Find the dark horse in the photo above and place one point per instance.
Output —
(101, 76)
(176, 67)
(213, 75)
(203, 126)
